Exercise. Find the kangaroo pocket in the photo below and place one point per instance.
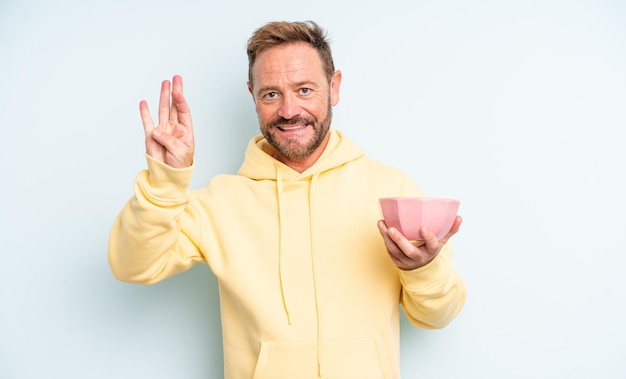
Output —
(360, 358)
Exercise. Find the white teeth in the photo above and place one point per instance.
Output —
(292, 127)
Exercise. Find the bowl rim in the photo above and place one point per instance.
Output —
(421, 198)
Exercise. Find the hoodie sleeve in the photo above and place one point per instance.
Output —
(433, 295)
(150, 239)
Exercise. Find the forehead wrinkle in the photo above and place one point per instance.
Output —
(281, 75)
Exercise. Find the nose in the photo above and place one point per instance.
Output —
(289, 107)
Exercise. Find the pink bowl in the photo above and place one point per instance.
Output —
(409, 214)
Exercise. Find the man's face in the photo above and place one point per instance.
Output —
(294, 102)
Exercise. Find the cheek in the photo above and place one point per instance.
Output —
(264, 113)
(318, 108)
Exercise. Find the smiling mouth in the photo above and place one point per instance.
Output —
(287, 128)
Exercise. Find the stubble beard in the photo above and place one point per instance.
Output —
(293, 149)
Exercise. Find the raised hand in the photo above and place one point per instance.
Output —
(409, 255)
(171, 141)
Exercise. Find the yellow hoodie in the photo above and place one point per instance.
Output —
(307, 288)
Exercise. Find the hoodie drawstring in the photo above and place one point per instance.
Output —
(281, 269)
(315, 273)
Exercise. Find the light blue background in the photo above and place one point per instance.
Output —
(515, 107)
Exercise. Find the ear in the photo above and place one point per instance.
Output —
(335, 83)
(251, 93)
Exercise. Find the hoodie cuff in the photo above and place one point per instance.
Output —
(425, 277)
(164, 184)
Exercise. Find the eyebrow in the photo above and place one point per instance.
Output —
(266, 89)
(305, 83)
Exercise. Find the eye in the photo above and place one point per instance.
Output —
(271, 95)
(305, 91)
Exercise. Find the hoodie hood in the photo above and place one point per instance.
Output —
(259, 163)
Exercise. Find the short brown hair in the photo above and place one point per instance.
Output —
(282, 32)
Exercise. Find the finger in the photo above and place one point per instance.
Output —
(152, 147)
(389, 244)
(455, 228)
(407, 249)
(405, 254)
(398, 245)
(430, 240)
(177, 86)
(418, 243)
(177, 154)
(384, 231)
(177, 83)
(173, 113)
(164, 103)
(146, 119)
(183, 112)
(382, 228)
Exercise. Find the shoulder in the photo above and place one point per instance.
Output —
(387, 179)
(383, 169)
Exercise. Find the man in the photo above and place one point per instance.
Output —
(308, 288)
